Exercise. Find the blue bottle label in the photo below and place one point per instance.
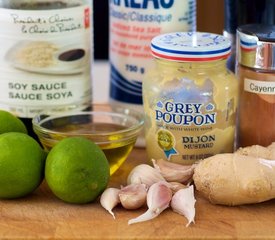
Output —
(132, 26)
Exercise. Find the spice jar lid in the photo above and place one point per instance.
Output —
(190, 46)
(256, 46)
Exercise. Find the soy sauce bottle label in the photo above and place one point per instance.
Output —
(45, 59)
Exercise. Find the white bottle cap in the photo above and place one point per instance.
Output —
(190, 46)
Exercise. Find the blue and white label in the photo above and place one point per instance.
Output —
(133, 23)
(137, 4)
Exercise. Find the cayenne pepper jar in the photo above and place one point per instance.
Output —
(256, 73)
(190, 98)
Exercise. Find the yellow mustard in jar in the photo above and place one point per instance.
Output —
(189, 98)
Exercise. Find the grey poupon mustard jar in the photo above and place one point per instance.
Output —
(189, 97)
(256, 74)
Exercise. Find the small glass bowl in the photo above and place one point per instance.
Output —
(113, 129)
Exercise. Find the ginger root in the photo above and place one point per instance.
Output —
(235, 179)
(259, 151)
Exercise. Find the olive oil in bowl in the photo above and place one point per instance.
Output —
(114, 132)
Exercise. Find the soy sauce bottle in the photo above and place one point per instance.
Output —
(45, 57)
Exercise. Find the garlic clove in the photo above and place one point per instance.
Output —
(109, 199)
(158, 198)
(176, 186)
(145, 174)
(173, 172)
(133, 196)
(148, 215)
(183, 202)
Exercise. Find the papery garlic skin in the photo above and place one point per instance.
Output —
(145, 174)
(158, 199)
(183, 202)
(174, 172)
(176, 186)
(133, 196)
(109, 199)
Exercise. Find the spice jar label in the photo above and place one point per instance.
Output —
(45, 59)
(259, 87)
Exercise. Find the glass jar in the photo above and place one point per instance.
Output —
(190, 98)
(256, 74)
(45, 58)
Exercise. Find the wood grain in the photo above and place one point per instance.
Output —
(43, 216)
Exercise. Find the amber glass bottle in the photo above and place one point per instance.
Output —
(256, 74)
(45, 56)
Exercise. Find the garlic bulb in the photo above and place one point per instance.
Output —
(173, 172)
(158, 198)
(145, 174)
(133, 196)
(109, 199)
(183, 202)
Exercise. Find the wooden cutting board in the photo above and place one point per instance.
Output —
(42, 215)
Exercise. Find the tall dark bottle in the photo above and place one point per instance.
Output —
(241, 12)
(45, 56)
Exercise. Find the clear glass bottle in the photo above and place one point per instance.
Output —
(190, 98)
(256, 74)
(46, 56)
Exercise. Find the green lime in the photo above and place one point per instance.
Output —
(10, 123)
(77, 170)
(22, 165)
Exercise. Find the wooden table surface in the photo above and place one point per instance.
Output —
(42, 216)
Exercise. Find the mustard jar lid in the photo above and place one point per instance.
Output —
(256, 46)
(190, 46)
